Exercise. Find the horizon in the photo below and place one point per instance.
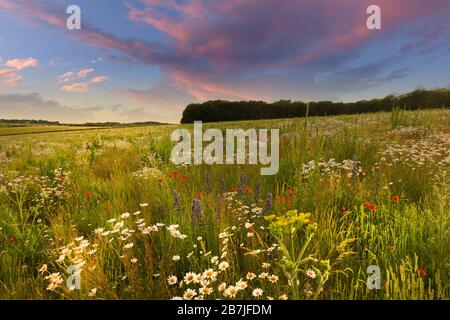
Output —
(146, 60)
(62, 122)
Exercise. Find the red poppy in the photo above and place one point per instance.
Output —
(372, 207)
(251, 229)
(289, 191)
(185, 177)
(366, 204)
(174, 175)
(422, 272)
(88, 195)
(247, 189)
(234, 189)
(395, 198)
(343, 209)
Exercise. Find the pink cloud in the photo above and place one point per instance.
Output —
(30, 10)
(223, 40)
(67, 77)
(70, 76)
(219, 48)
(76, 87)
(9, 77)
(20, 64)
(99, 79)
(84, 72)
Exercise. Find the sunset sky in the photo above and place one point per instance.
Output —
(141, 60)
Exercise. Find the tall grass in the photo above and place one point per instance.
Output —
(236, 231)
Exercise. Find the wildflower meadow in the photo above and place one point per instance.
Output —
(105, 214)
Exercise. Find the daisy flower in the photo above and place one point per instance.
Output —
(172, 280)
(310, 273)
(189, 294)
(257, 292)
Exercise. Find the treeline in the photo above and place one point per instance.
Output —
(22, 122)
(115, 124)
(220, 110)
(25, 122)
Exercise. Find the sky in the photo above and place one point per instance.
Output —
(145, 60)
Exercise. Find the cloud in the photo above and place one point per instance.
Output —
(20, 64)
(79, 86)
(76, 87)
(258, 48)
(67, 77)
(99, 79)
(34, 106)
(70, 76)
(9, 78)
(9, 75)
(120, 58)
(83, 73)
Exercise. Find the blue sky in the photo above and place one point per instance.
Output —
(147, 59)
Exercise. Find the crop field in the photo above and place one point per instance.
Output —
(351, 192)
(18, 130)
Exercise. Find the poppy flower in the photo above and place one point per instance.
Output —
(372, 207)
(343, 209)
(395, 198)
(247, 189)
(422, 272)
(88, 195)
(366, 204)
(251, 229)
(234, 189)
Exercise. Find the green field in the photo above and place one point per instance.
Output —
(18, 130)
(351, 192)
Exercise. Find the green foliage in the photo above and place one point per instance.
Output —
(375, 188)
(219, 110)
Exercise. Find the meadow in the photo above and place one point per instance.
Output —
(19, 130)
(352, 191)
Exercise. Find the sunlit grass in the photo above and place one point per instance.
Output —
(359, 190)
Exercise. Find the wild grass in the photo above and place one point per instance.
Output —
(19, 130)
(352, 191)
